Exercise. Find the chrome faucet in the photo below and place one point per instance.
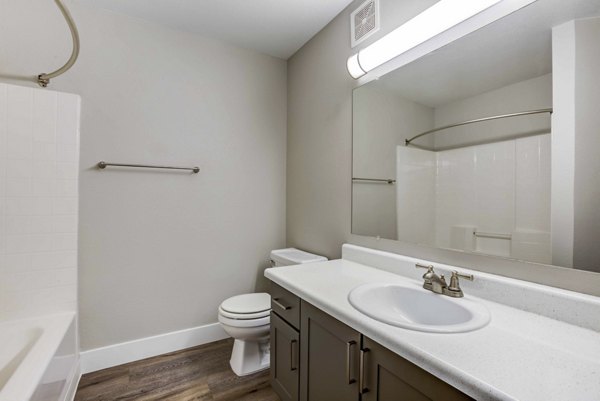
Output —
(437, 284)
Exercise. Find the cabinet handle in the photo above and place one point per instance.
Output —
(361, 376)
(293, 355)
(349, 346)
(282, 306)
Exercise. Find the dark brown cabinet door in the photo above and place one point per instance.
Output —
(285, 359)
(329, 357)
(385, 376)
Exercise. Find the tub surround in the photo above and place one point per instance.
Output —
(529, 338)
(39, 166)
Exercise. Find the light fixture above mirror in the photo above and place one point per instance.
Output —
(437, 19)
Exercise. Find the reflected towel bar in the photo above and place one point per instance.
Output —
(382, 180)
(492, 235)
(479, 120)
(102, 165)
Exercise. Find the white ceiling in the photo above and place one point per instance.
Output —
(275, 27)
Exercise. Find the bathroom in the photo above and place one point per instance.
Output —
(118, 281)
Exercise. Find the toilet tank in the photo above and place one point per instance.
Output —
(293, 256)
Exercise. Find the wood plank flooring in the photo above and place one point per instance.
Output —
(194, 374)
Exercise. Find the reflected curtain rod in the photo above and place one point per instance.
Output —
(43, 79)
(479, 120)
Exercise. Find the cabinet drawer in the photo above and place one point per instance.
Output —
(286, 305)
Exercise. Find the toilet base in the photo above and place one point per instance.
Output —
(250, 357)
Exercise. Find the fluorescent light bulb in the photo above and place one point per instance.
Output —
(438, 18)
(354, 67)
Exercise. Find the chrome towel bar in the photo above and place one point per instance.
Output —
(102, 165)
(382, 180)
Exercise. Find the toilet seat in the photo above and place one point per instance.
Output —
(263, 321)
(244, 316)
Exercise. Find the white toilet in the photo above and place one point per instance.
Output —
(246, 318)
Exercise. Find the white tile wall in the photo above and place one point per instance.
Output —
(501, 187)
(533, 183)
(495, 195)
(456, 197)
(39, 162)
(415, 193)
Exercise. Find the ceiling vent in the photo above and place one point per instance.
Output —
(364, 21)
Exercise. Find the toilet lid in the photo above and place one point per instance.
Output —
(247, 303)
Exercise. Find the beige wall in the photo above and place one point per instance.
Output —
(159, 251)
(382, 121)
(563, 139)
(319, 157)
(587, 165)
(531, 94)
(576, 64)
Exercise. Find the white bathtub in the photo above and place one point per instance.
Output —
(38, 358)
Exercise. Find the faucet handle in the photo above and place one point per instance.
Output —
(465, 276)
(454, 289)
(422, 266)
(430, 272)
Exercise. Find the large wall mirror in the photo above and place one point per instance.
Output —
(490, 144)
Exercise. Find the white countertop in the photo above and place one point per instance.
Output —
(518, 356)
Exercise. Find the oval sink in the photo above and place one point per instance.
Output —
(414, 308)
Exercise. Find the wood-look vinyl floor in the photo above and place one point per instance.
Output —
(194, 374)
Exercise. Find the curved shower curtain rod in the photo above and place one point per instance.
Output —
(44, 79)
(479, 120)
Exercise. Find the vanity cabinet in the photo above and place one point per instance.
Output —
(285, 343)
(329, 357)
(315, 357)
(389, 377)
(285, 348)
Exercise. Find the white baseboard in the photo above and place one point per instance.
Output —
(118, 354)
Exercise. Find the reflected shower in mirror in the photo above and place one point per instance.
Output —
(487, 145)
